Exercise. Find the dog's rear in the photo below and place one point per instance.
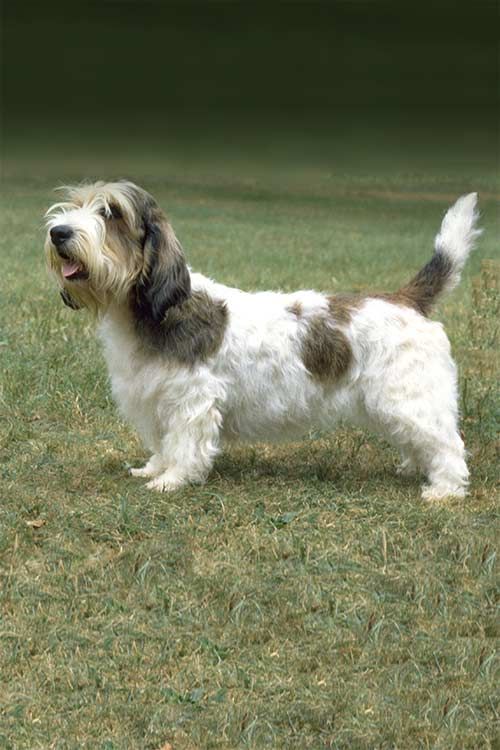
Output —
(408, 377)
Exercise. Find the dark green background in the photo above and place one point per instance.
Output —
(391, 75)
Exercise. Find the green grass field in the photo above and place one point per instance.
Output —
(305, 597)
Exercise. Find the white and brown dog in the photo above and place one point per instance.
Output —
(194, 363)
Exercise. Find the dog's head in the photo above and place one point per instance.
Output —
(110, 242)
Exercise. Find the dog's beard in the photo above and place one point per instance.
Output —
(93, 276)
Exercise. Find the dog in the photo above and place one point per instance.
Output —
(194, 363)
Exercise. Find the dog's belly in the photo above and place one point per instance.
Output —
(237, 428)
(283, 411)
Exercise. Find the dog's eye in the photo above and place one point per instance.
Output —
(112, 212)
(115, 212)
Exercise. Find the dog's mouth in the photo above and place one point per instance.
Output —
(73, 271)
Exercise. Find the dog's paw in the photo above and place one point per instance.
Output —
(440, 492)
(167, 482)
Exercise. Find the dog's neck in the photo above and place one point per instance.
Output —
(119, 317)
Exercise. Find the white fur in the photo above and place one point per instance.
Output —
(458, 234)
(401, 383)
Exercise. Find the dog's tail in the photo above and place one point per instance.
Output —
(452, 246)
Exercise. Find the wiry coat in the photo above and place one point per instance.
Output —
(193, 362)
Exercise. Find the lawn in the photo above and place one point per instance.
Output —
(305, 597)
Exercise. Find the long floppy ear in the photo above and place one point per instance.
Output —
(164, 281)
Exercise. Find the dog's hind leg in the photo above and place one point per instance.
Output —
(413, 403)
(437, 448)
(446, 468)
(431, 442)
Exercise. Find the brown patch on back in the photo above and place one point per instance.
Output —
(326, 352)
(342, 306)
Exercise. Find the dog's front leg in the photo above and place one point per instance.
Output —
(188, 450)
(154, 467)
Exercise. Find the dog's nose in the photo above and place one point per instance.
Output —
(60, 234)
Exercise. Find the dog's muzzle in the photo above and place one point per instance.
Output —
(71, 269)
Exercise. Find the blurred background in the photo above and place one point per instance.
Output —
(151, 88)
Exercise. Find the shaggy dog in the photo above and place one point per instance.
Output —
(193, 362)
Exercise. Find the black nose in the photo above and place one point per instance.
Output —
(60, 234)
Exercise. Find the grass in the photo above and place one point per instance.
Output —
(305, 597)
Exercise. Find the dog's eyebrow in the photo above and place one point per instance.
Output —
(63, 206)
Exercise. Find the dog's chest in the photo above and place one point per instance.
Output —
(124, 358)
(138, 381)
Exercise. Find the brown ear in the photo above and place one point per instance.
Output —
(164, 281)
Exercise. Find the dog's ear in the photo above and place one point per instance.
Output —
(164, 281)
(69, 301)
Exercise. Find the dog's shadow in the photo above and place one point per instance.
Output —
(347, 463)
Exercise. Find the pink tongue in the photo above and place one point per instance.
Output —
(69, 269)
